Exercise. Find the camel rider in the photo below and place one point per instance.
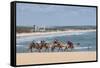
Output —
(55, 41)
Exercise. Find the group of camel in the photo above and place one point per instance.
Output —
(50, 46)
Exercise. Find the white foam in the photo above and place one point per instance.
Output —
(82, 47)
(30, 38)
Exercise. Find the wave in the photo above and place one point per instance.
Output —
(30, 38)
(82, 47)
(20, 45)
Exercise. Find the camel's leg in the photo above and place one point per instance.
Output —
(59, 48)
(39, 50)
(52, 49)
(65, 49)
(71, 49)
(31, 49)
(47, 49)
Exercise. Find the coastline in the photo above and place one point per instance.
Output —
(56, 57)
(67, 32)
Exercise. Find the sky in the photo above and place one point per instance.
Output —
(54, 15)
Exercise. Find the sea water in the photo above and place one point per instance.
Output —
(87, 41)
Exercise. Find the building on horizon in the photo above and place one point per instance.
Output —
(38, 29)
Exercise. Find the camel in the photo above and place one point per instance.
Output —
(56, 43)
(69, 45)
(38, 46)
(34, 45)
(44, 45)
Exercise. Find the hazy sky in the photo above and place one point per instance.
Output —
(54, 15)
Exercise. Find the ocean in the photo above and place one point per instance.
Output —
(87, 41)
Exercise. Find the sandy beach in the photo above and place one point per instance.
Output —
(55, 57)
(67, 32)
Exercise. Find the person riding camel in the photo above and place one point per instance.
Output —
(70, 43)
(55, 41)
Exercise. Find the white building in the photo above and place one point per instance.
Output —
(38, 29)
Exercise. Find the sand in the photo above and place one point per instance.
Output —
(54, 57)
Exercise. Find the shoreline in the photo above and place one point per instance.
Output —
(56, 57)
(51, 33)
